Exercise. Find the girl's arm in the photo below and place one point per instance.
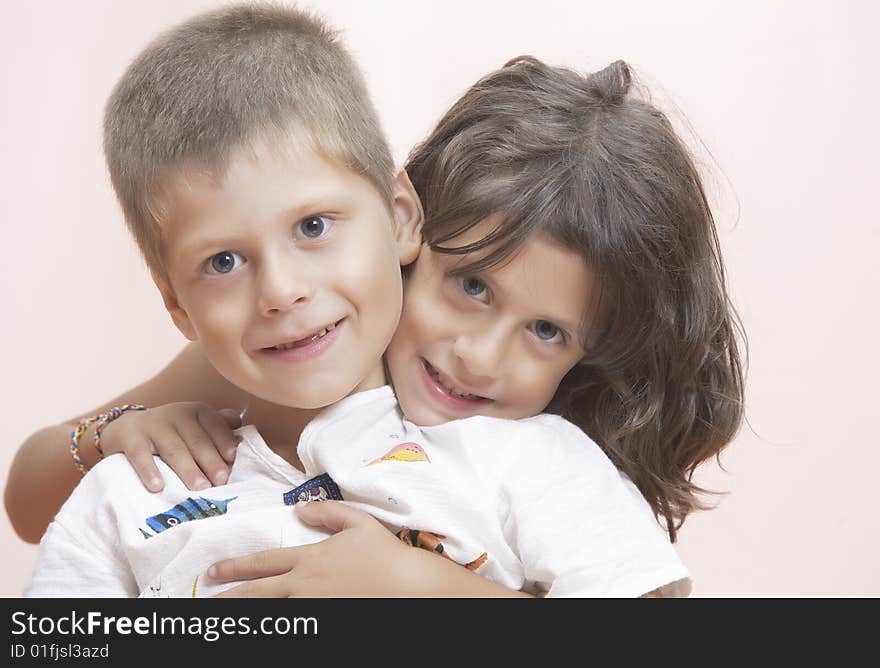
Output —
(43, 475)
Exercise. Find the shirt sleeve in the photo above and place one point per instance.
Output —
(80, 555)
(578, 526)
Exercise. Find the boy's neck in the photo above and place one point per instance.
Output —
(282, 426)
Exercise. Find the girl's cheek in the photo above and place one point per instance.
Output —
(449, 319)
(435, 322)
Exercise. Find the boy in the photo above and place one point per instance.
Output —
(254, 177)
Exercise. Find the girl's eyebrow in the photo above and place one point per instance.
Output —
(563, 324)
(504, 294)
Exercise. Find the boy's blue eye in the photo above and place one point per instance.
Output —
(223, 263)
(473, 286)
(545, 330)
(313, 227)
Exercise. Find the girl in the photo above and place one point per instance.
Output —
(570, 264)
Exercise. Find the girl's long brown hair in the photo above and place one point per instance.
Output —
(593, 166)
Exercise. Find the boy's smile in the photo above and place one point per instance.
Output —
(299, 348)
(494, 343)
(287, 270)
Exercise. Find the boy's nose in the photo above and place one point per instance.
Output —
(284, 285)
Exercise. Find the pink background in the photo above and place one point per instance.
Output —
(780, 94)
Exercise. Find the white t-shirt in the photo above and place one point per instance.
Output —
(532, 504)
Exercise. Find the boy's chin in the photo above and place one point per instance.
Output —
(318, 395)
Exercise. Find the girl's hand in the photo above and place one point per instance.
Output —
(195, 440)
(363, 558)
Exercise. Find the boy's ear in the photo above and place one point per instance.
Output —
(408, 218)
(178, 315)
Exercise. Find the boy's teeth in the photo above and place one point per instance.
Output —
(294, 344)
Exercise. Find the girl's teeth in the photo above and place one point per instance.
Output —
(451, 390)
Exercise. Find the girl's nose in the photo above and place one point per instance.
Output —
(481, 353)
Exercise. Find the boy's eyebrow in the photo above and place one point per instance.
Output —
(196, 245)
(196, 242)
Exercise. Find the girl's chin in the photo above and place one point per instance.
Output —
(424, 418)
(421, 415)
(430, 416)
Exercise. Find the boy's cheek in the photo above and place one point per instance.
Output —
(220, 315)
(217, 321)
(179, 315)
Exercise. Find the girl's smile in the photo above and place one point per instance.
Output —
(449, 391)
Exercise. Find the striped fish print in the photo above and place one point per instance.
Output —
(187, 511)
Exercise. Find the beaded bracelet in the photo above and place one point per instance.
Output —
(108, 417)
(103, 420)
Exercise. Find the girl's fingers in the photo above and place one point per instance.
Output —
(174, 452)
(203, 451)
(219, 425)
(141, 457)
(264, 564)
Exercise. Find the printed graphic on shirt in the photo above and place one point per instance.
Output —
(405, 452)
(186, 511)
(319, 488)
(432, 541)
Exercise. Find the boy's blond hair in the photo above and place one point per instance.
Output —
(224, 80)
